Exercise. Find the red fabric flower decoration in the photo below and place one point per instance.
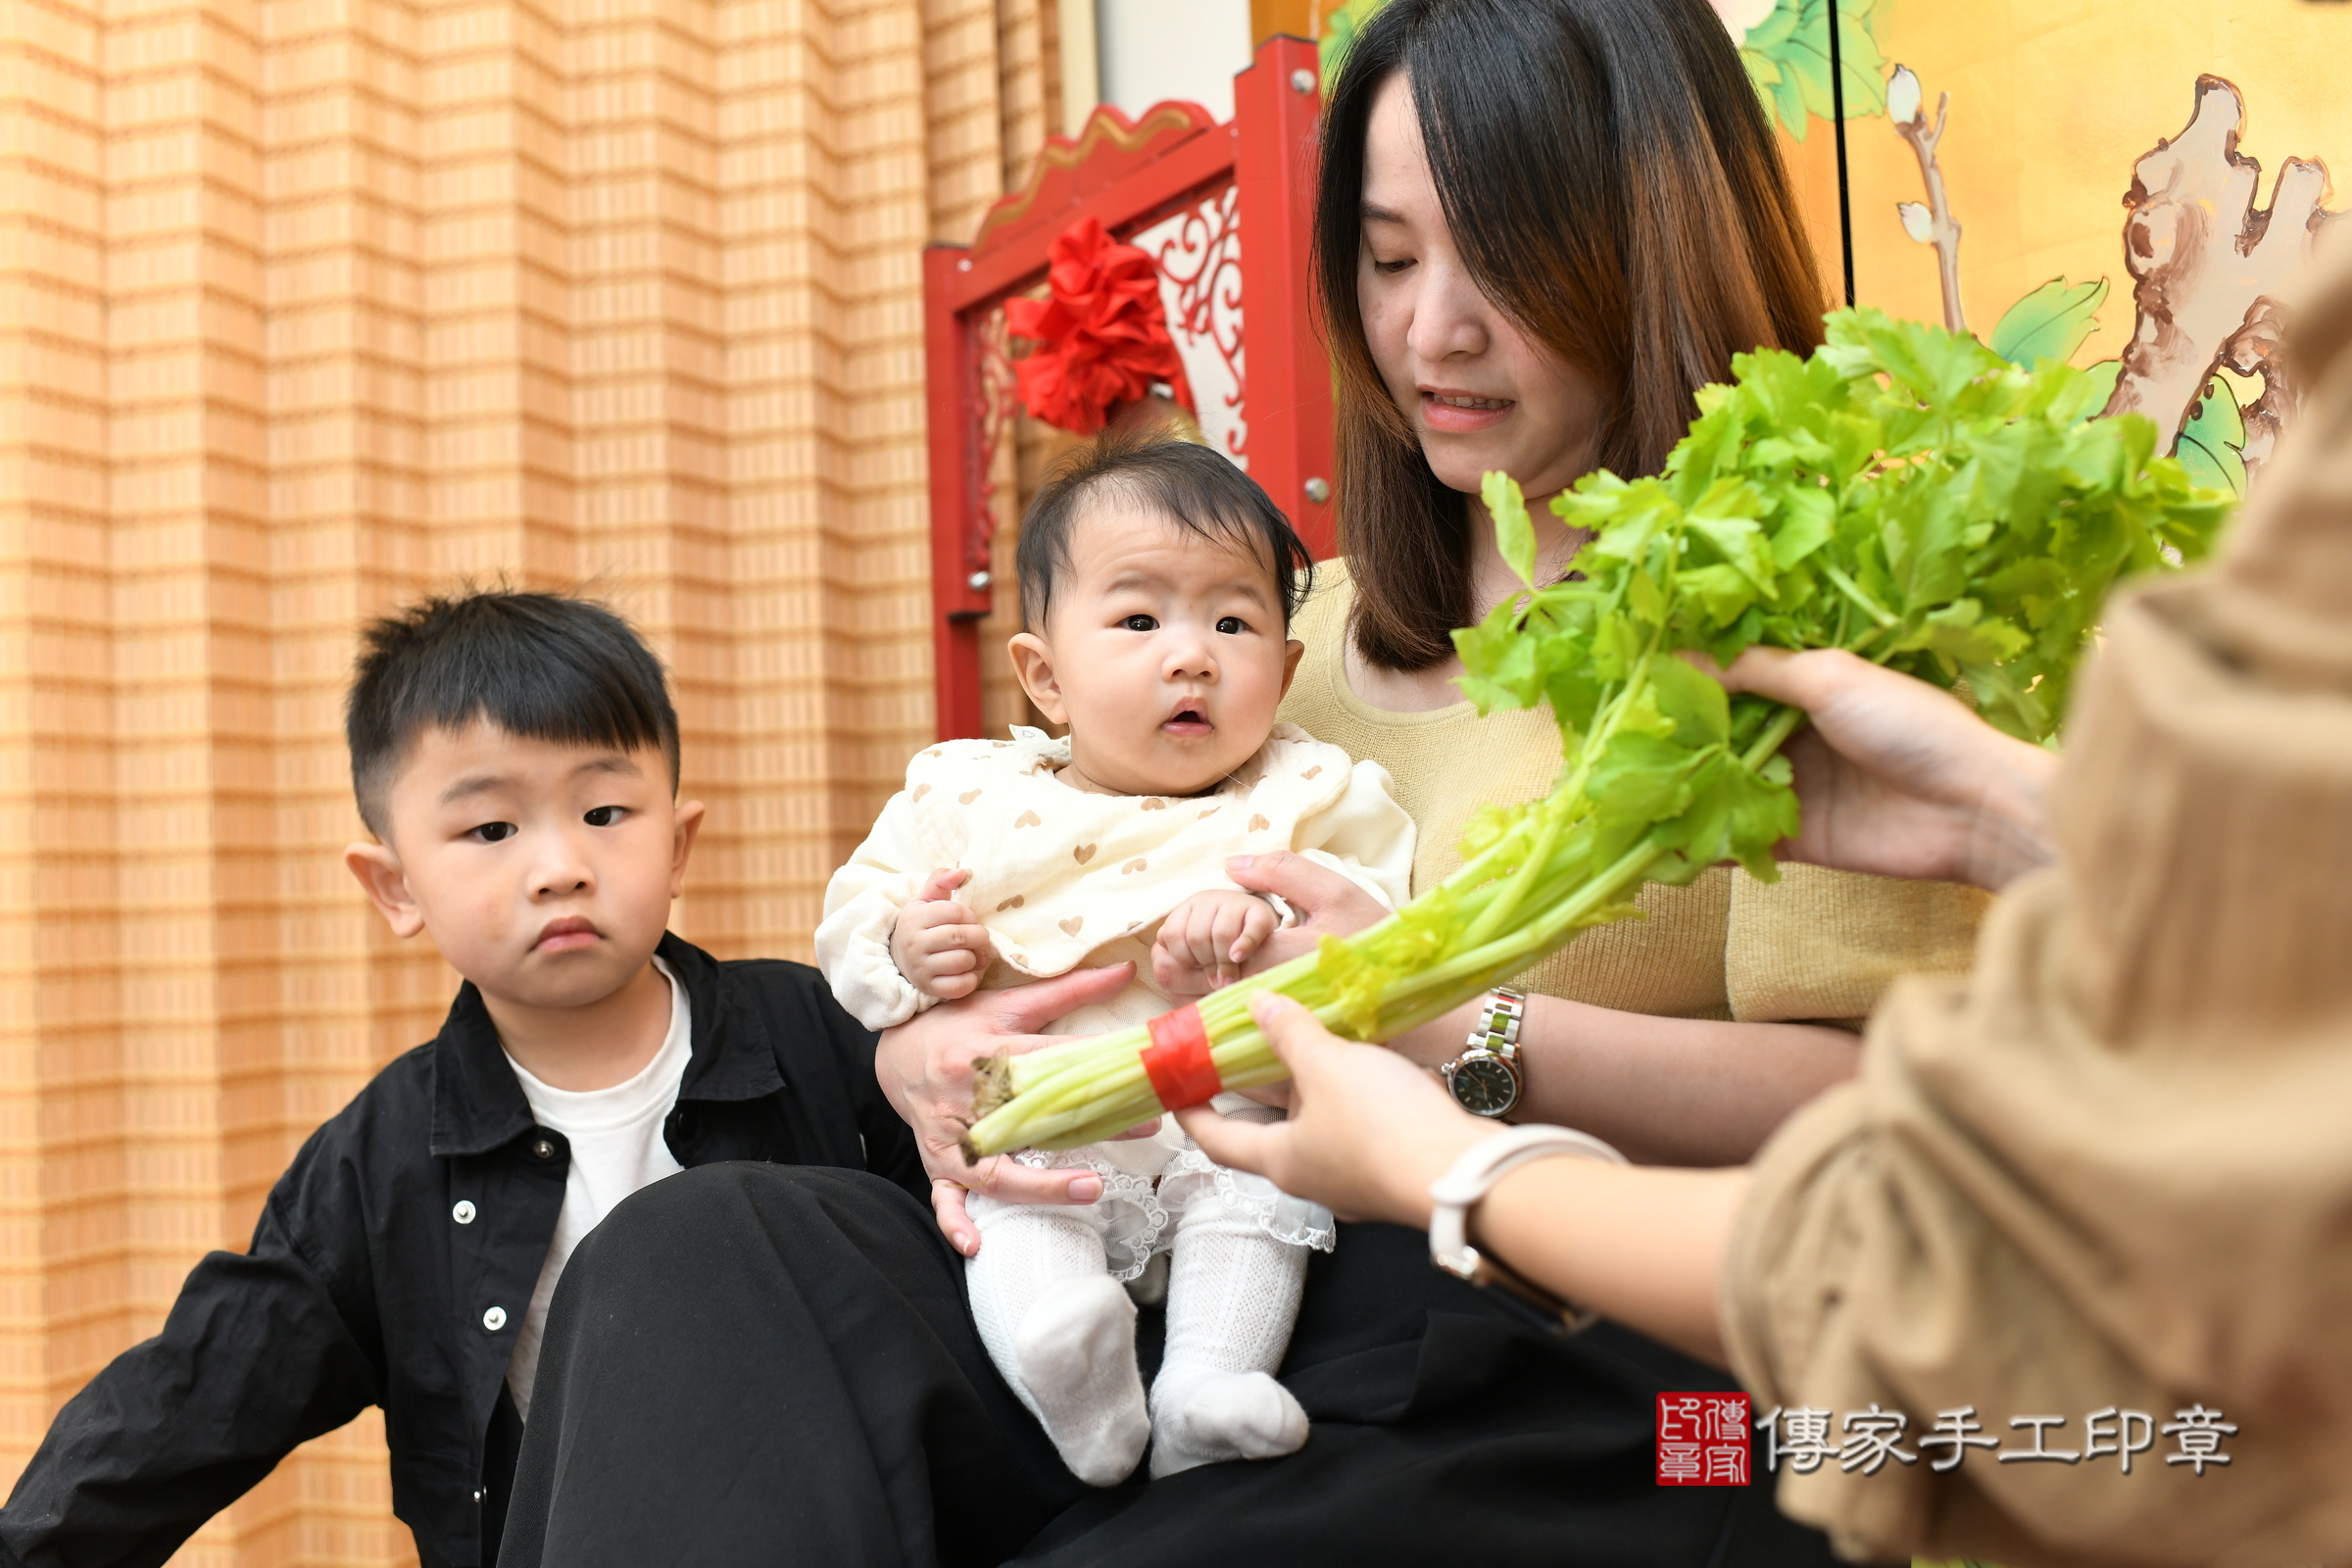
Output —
(1103, 337)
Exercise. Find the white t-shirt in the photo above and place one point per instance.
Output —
(617, 1148)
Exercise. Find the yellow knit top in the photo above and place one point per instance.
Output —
(1817, 945)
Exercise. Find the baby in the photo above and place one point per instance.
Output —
(1157, 583)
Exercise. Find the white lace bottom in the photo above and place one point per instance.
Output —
(1148, 1183)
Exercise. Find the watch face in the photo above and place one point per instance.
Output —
(1484, 1085)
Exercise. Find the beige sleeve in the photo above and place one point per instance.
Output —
(2110, 1167)
(1365, 834)
(861, 908)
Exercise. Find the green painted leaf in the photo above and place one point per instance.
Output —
(2050, 322)
(1865, 66)
(1807, 58)
(1787, 59)
(1788, 102)
(1339, 27)
(1773, 32)
(2103, 376)
(2213, 443)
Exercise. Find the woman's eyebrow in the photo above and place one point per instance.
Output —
(1370, 214)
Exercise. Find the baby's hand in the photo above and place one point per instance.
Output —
(1206, 939)
(935, 944)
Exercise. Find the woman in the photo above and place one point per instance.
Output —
(1541, 323)
(1493, 306)
(2103, 1179)
(1537, 288)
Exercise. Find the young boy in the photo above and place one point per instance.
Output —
(516, 759)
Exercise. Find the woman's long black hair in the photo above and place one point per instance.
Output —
(1612, 183)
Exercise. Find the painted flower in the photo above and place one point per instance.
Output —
(1740, 15)
(1903, 96)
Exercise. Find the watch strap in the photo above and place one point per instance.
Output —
(1495, 1030)
(1468, 1182)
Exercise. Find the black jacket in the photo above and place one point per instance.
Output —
(380, 1256)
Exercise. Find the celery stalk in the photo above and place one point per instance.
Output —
(1972, 512)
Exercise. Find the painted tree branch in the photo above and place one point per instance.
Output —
(2209, 267)
(1932, 225)
(2254, 351)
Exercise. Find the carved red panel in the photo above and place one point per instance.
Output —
(1225, 211)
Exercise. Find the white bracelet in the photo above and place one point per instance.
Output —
(1484, 1163)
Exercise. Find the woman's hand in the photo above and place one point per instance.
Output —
(926, 1069)
(1368, 1131)
(1899, 778)
(1326, 903)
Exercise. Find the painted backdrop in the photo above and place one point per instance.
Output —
(2127, 184)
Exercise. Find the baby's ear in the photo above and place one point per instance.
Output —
(1292, 652)
(1033, 664)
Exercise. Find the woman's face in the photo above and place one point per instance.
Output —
(1481, 393)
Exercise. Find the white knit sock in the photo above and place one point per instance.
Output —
(1233, 1297)
(1062, 1331)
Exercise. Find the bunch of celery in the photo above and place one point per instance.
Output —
(1904, 492)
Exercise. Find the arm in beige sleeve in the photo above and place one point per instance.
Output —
(2109, 1169)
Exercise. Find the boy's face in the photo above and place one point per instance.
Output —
(544, 872)
(1164, 652)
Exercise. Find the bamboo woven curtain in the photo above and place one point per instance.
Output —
(311, 306)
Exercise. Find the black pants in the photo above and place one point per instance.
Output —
(764, 1364)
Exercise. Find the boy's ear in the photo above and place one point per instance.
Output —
(387, 886)
(1033, 662)
(1290, 655)
(686, 824)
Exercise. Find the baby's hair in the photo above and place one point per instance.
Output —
(1191, 485)
(544, 667)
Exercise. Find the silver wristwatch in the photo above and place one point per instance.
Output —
(1485, 1078)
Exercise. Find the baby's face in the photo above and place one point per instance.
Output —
(1164, 652)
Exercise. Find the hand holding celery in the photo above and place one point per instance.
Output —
(1904, 492)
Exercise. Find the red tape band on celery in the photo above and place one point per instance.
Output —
(1176, 1060)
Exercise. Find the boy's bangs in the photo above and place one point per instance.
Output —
(538, 665)
(539, 699)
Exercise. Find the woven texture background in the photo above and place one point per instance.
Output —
(309, 305)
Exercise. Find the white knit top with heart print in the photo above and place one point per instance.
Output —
(1064, 878)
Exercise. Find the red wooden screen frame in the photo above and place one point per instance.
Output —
(1130, 174)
